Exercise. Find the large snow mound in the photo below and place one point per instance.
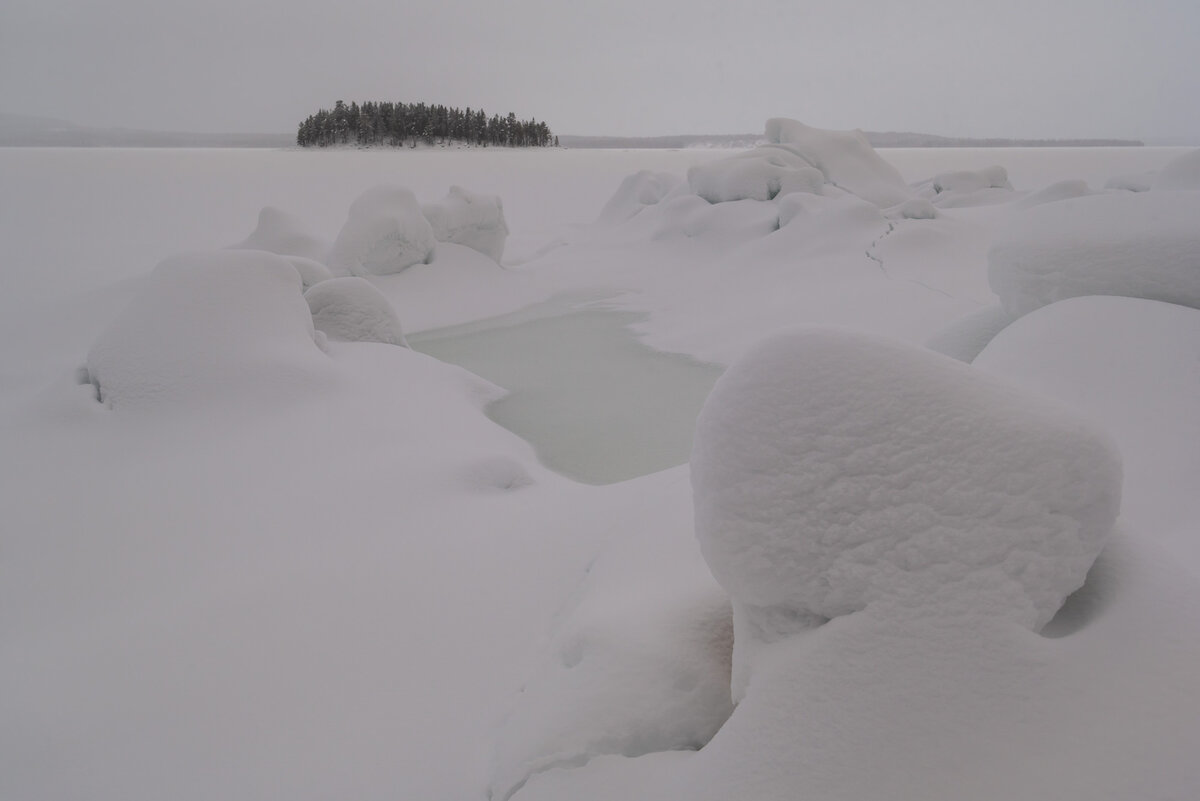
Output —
(836, 471)
(284, 234)
(207, 325)
(1181, 172)
(384, 233)
(352, 309)
(845, 159)
(470, 219)
(1140, 245)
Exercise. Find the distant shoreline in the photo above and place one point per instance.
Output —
(885, 139)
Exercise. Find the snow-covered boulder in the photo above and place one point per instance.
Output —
(284, 234)
(760, 174)
(1063, 190)
(1131, 181)
(312, 272)
(353, 310)
(994, 177)
(1181, 172)
(636, 192)
(220, 325)
(835, 472)
(1139, 245)
(723, 224)
(384, 233)
(844, 158)
(916, 209)
(473, 220)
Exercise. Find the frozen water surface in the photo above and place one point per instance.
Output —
(596, 404)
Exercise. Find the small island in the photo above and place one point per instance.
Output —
(405, 124)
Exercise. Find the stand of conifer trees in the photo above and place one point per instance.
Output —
(399, 124)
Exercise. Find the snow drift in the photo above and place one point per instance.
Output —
(835, 472)
(1139, 245)
(384, 233)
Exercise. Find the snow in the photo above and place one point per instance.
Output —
(835, 472)
(639, 660)
(209, 326)
(284, 234)
(1181, 172)
(277, 568)
(1142, 245)
(352, 310)
(384, 233)
(466, 218)
(965, 338)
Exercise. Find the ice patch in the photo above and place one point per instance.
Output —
(835, 472)
(1139, 245)
(353, 310)
(466, 218)
(384, 233)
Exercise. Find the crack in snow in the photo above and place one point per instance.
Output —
(871, 254)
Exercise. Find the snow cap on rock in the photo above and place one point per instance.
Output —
(284, 234)
(221, 324)
(835, 471)
(353, 310)
(384, 233)
(466, 218)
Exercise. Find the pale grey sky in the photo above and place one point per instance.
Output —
(1027, 68)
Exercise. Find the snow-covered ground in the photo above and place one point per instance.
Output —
(253, 547)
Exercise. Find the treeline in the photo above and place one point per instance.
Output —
(398, 124)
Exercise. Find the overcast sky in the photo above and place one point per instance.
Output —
(1027, 68)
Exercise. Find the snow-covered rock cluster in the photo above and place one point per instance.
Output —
(225, 322)
(386, 231)
(798, 158)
